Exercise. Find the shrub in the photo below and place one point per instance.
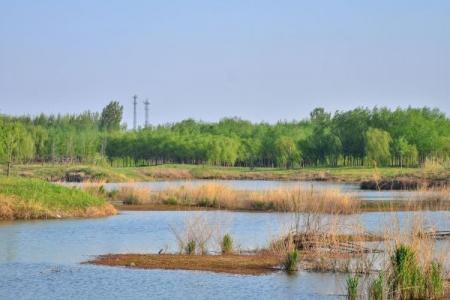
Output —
(352, 287)
(227, 244)
(290, 262)
(170, 201)
(190, 247)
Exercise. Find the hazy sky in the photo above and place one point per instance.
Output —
(259, 60)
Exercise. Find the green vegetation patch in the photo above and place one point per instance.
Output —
(48, 195)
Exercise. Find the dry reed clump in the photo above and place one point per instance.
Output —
(286, 200)
(200, 234)
(96, 188)
(175, 174)
(432, 196)
(131, 195)
(328, 242)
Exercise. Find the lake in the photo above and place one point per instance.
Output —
(41, 259)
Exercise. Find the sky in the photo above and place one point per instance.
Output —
(259, 60)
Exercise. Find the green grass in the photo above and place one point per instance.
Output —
(352, 288)
(291, 261)
(34, 198)
(409, 280)
(55, 172)
(227, 244)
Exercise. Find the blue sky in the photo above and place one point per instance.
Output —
(259, 60)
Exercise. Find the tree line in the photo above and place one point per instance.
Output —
(358, 137)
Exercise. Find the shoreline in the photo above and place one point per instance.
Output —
(366, 207)
(370, 178)
(257, 264)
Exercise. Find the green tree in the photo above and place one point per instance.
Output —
(16, 144)
(111, 116)
(377, 146)
(286, 152)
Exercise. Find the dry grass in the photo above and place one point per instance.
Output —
(223, 197)
(133, 195)
(258, 264)
(329, 201)
(14, 208)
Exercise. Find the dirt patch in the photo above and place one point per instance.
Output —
(233, 264)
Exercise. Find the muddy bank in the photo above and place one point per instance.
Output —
(233, 264)
(404, 184)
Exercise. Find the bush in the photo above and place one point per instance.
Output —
(227, 244)
(190, 247)
(290, 262)
(352, 287)
(170, 201)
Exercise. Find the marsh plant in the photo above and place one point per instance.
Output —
(190, 247)
(410, 280)
(203, 232)
(290, 263)
(227, 244)
(377, 290)
(352, 287)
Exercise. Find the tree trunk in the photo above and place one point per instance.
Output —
(8, 170)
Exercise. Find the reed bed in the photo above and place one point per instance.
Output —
(219, 196)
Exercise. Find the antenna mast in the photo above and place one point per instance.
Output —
(146, 103)
(134, 111)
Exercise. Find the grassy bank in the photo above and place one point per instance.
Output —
(51, 172)
(22, 198)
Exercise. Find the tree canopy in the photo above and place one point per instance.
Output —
(362, 136)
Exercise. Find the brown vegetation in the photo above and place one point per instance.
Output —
(231, 263)
(222, 197)
(217, 196)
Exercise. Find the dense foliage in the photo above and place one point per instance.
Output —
(379, 136)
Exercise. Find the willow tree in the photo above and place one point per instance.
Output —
(16, 144)
(377, 146)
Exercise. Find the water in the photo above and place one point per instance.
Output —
(41, 259)
(258, 185)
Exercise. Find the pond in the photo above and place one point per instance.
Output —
(41, 259)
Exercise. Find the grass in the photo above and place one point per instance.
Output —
(352, 287)
(22, 198)
(377, 288)
(132, 195)
(55, 172)
(410, 280)
(291, 261)
(227, 244)
(234, 264)
(218, 196)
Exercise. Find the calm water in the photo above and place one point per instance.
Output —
(41, 259)
(270, 184)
